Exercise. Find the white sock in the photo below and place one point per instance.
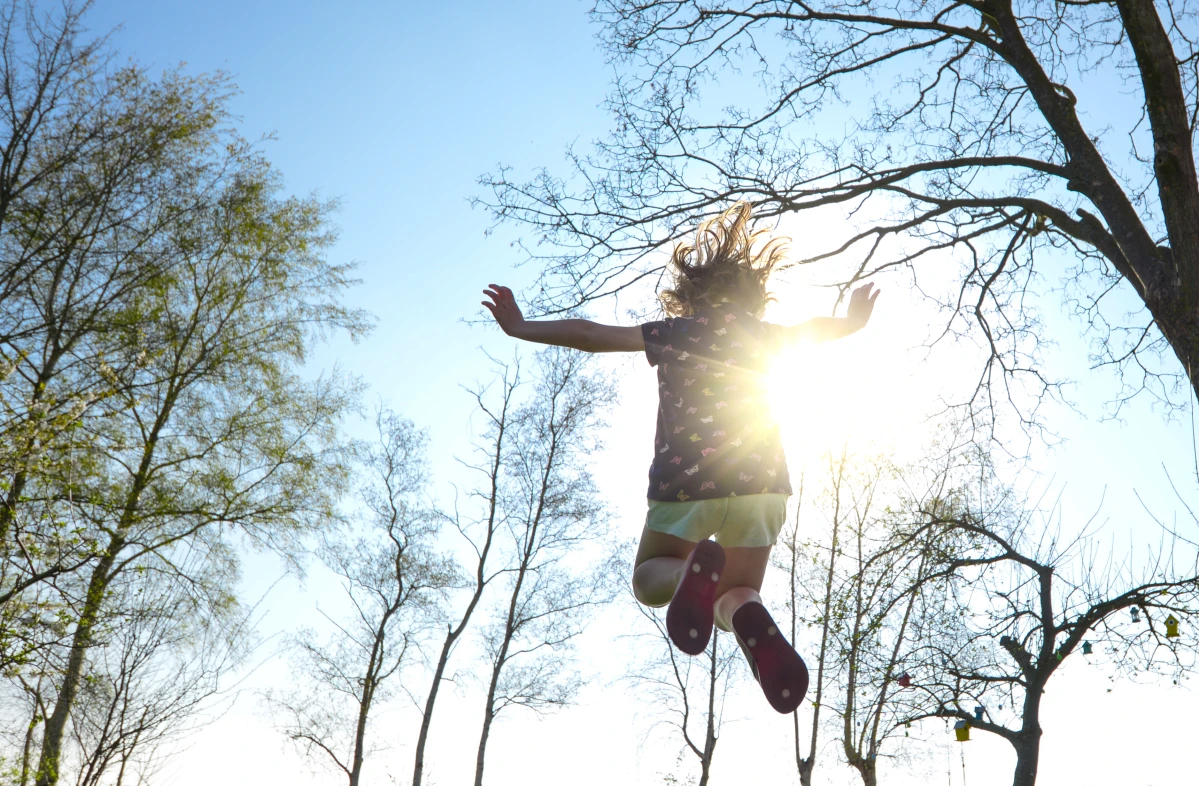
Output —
(728, 603)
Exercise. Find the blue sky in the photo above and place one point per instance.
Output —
(395, 109)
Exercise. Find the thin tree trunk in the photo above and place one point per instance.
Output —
(500, 660)
(47, 768)
(710, 732)
(27, 748)
(364, 708)
(808, 766)
(526, 559)
(488, 717)
(452, 633)
(418, 769)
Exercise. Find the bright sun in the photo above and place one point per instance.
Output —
(861, 391)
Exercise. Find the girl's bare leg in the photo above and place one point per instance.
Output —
(659, 566)
(744, 569)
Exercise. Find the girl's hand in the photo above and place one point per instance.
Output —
(861, 303)
(503, 307)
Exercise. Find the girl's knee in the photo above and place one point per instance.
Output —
(648, 587)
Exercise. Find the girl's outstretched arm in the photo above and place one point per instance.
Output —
(861, 304)
(576, 333)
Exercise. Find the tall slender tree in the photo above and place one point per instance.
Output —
(393, 577)
(551, 511)
(480, 530)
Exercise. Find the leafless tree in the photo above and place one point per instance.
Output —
(1022, 598)
(394, 578)
(810, 584)
(689, 692)
(882, 611)
(977, 128)
(479, 530)
(851, 606)
(551, 511)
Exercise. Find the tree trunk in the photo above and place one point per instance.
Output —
(488, 717)
(27, 748)
(364, 708)
(1028, 741)
(369, 683)
(710, 731)
(805, 770)
(452, 633)
(47, 768)
(1028, 754)
(56, 724)
(418, 769)
(501, 659)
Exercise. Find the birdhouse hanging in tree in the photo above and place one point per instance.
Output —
(1171, 627)
(978, 713)
(1086, 648)
(1136, 614)
(905, 680)
(961, 730)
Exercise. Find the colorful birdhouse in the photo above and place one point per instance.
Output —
(1171, 627)
(961, 730)
(1136, 614)
(978, 713)
(1086, 648)
(905, 680)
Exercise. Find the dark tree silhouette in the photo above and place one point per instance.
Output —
(965, 127)
(1023, 597)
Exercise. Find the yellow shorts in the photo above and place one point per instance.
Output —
(750, 520)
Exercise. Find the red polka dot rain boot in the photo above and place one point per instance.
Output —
(775, 663)
(689, 617)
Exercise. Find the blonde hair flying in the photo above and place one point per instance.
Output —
(723, 265)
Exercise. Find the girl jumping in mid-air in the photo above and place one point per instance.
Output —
(718, 469)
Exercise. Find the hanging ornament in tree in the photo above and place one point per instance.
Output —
(1136, 614)
(1171, 627)
(961, 730)
(978, 713)
(905, 680)
(1086, 648)
(906, 726)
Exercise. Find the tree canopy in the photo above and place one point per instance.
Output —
(985, 129)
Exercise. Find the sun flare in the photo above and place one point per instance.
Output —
(859, 392)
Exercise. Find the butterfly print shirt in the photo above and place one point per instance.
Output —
(715, 435)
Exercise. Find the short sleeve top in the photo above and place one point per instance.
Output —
(715, 434)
